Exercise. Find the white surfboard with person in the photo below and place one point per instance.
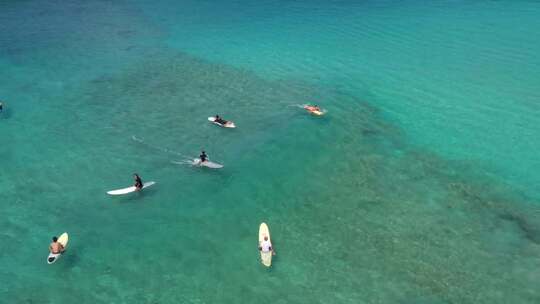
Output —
(138, 186)
(315, 110)
(265, 245)
(221, 122)
(57, 247)
(203, 161)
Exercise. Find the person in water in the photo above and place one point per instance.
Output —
(220, 120)
(203, 157)
(55, 247)
(266, 246)
(138, 181)
(1, 107)
(313, 108)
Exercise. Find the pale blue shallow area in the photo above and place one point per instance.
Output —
(419, 185)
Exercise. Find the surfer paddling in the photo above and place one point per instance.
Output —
(220, 120)
(312, 108)
(56, 247)
(138, 182)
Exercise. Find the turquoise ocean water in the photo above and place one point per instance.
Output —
(420, 185)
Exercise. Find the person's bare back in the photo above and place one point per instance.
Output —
(56, 247)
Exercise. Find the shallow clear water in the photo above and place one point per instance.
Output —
(418, 186)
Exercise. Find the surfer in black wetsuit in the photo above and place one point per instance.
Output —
(220, 120)
(138, 181)
(203, 157)
(1, 107)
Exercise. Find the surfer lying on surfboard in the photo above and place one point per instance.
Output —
(138, 181)
(312, 108)
(56, 247)
(266, 246)
(315, 110)
(220, 120)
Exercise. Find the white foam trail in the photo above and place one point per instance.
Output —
(162, 149)
(136, 139)
(301, 106)
(183, 162)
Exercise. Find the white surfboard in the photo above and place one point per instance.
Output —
(53, 257)
(129, 189)
(228, 124)
(208, 164)
(266, 257)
